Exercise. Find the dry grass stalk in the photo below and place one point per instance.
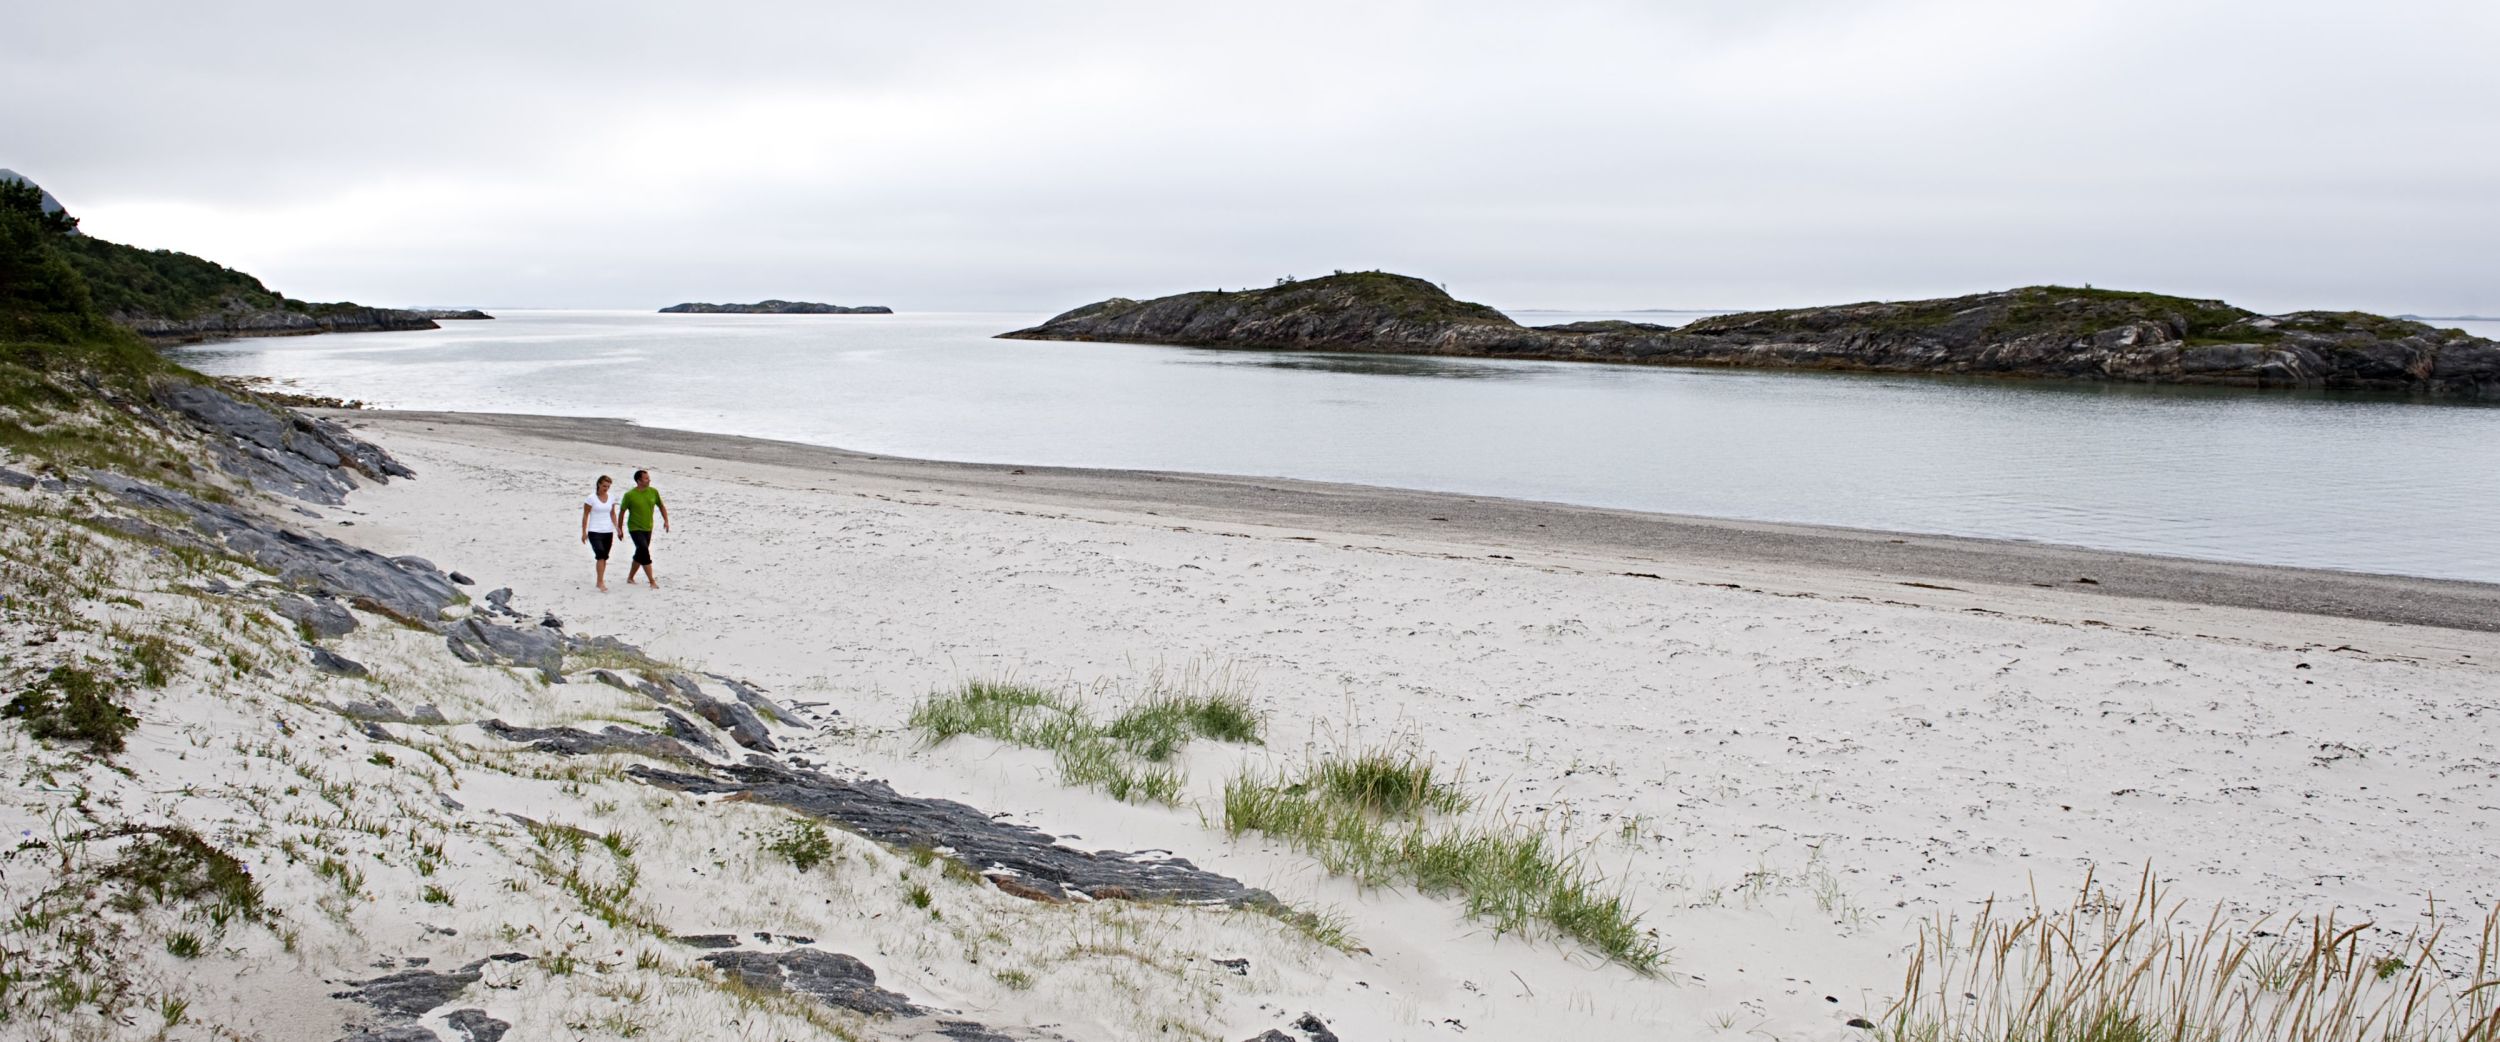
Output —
(2105, 971)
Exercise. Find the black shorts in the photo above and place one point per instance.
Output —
(599, 543)
(642, 545)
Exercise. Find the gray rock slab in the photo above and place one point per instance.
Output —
(411, 993)
(575, 742)
(479, 641)
(315, 563)
(393, 1033)
(386, 711)
(475, 1026)
(1033, 862)
(754, 699)
(333, 663)
(829, 977)
(323, 617)
(279, 450)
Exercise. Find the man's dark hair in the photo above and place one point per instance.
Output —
(642, 475)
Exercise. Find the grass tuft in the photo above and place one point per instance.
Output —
(169, 865)
(800, 842)
(1126, 758)
(1378, 817)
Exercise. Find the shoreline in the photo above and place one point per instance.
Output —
(1884, 565)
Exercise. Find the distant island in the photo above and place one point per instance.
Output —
(450, 314)
(775, 307)
(2036, 331)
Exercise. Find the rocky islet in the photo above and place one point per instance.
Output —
(2039, 332)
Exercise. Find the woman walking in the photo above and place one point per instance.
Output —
(599, 526)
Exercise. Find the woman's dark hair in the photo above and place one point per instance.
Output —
(603, 480)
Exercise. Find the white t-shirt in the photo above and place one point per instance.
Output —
(602, 515)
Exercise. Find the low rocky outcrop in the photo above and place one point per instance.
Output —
(1309, 1028)
(1019, 859)
(774, 307)
(317, 617)
(846, 983)
(573, 741)
(479, 642)
(449, 314)
(277, 449)
(829, 977)
(237, 317)
(399, 999)
(405, 587)
(2039, 331)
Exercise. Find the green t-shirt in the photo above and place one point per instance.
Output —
(638, 505)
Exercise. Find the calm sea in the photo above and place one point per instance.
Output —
(2335, 481)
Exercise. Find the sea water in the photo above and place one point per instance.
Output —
(2343, 481)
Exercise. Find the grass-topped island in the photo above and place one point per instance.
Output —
(2035, 331)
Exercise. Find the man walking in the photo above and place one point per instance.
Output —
(639, 501)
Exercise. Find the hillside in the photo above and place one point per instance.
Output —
(171, 297)
(2037, 331)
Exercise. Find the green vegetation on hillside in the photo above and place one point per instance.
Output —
(1404, 296)
(59, 355)
(2062, 311)
(127, 280)
(48, 314)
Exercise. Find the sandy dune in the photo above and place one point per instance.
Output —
(1787, 764)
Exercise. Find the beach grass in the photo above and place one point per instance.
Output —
(1128, 757)
(1381, 816)
(2102, 969)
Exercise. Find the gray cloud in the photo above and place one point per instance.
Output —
(2291, 154)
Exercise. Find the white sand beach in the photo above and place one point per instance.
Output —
(1785, 766)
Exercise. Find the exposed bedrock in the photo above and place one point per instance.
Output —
(279, 450)
(406, 587)
(237, 317)
(1020, 859)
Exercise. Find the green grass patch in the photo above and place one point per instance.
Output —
(1381, 817)
(1127, 757)
(74, 704)
(176, 865)
(800, 842)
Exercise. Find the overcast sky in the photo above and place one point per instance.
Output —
(2281, 154)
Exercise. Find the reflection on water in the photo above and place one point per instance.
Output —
(2323, 479)
(1364, 365)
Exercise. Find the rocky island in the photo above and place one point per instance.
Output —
(2037, 331)
(451, 314)
(775, 307)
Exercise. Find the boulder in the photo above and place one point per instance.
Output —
(322, 617)
(336, 664)
(486, 643)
